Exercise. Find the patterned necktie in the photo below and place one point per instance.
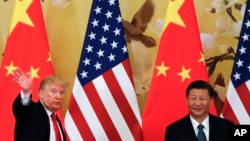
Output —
(56, 128)
(201, 135)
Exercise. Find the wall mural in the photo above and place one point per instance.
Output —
(66, 20)
(228, 25)
(142, 64)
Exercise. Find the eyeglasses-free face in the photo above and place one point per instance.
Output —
(52, 96)
(199, 103)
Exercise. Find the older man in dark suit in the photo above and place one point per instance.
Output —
(199, 125)
(34, 120)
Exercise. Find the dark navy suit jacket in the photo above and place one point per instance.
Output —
(182, 130)
(32, 122)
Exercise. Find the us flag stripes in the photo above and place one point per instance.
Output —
(237, 104)
(103, 105)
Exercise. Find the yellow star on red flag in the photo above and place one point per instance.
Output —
(20, 14)
(184, 74)
(34, 72)
(202, 59)
(10, 68)
(185, 61)
(26, 48)
(173, 14)
(162, 69)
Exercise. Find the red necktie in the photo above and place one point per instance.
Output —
(56, 129)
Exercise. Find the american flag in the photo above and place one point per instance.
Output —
(237, 103)
(103, 105)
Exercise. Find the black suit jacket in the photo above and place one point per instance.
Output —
(32, 122)
(182, 130)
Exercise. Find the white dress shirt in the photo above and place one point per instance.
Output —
(205, 123)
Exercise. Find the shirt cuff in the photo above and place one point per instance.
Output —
(25, 98)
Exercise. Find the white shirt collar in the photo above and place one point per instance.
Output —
(46, 109)
(205, 123)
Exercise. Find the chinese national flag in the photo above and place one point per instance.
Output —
(179, 61)
(26, 48)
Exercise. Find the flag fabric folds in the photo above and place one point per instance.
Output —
(237, 106)
(179, 61)
(103, 104)
(26, 48)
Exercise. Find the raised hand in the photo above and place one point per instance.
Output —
(23, 80)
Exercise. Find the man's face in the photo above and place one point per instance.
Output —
(199, 102)
(52, 97)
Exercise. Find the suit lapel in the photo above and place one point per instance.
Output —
(188, 129)
(212, 129)
(44, 115)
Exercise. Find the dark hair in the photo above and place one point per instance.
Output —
(200, 84)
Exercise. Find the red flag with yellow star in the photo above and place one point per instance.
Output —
(26, 48)
(179, 61)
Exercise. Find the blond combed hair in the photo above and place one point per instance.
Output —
(53, 80)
